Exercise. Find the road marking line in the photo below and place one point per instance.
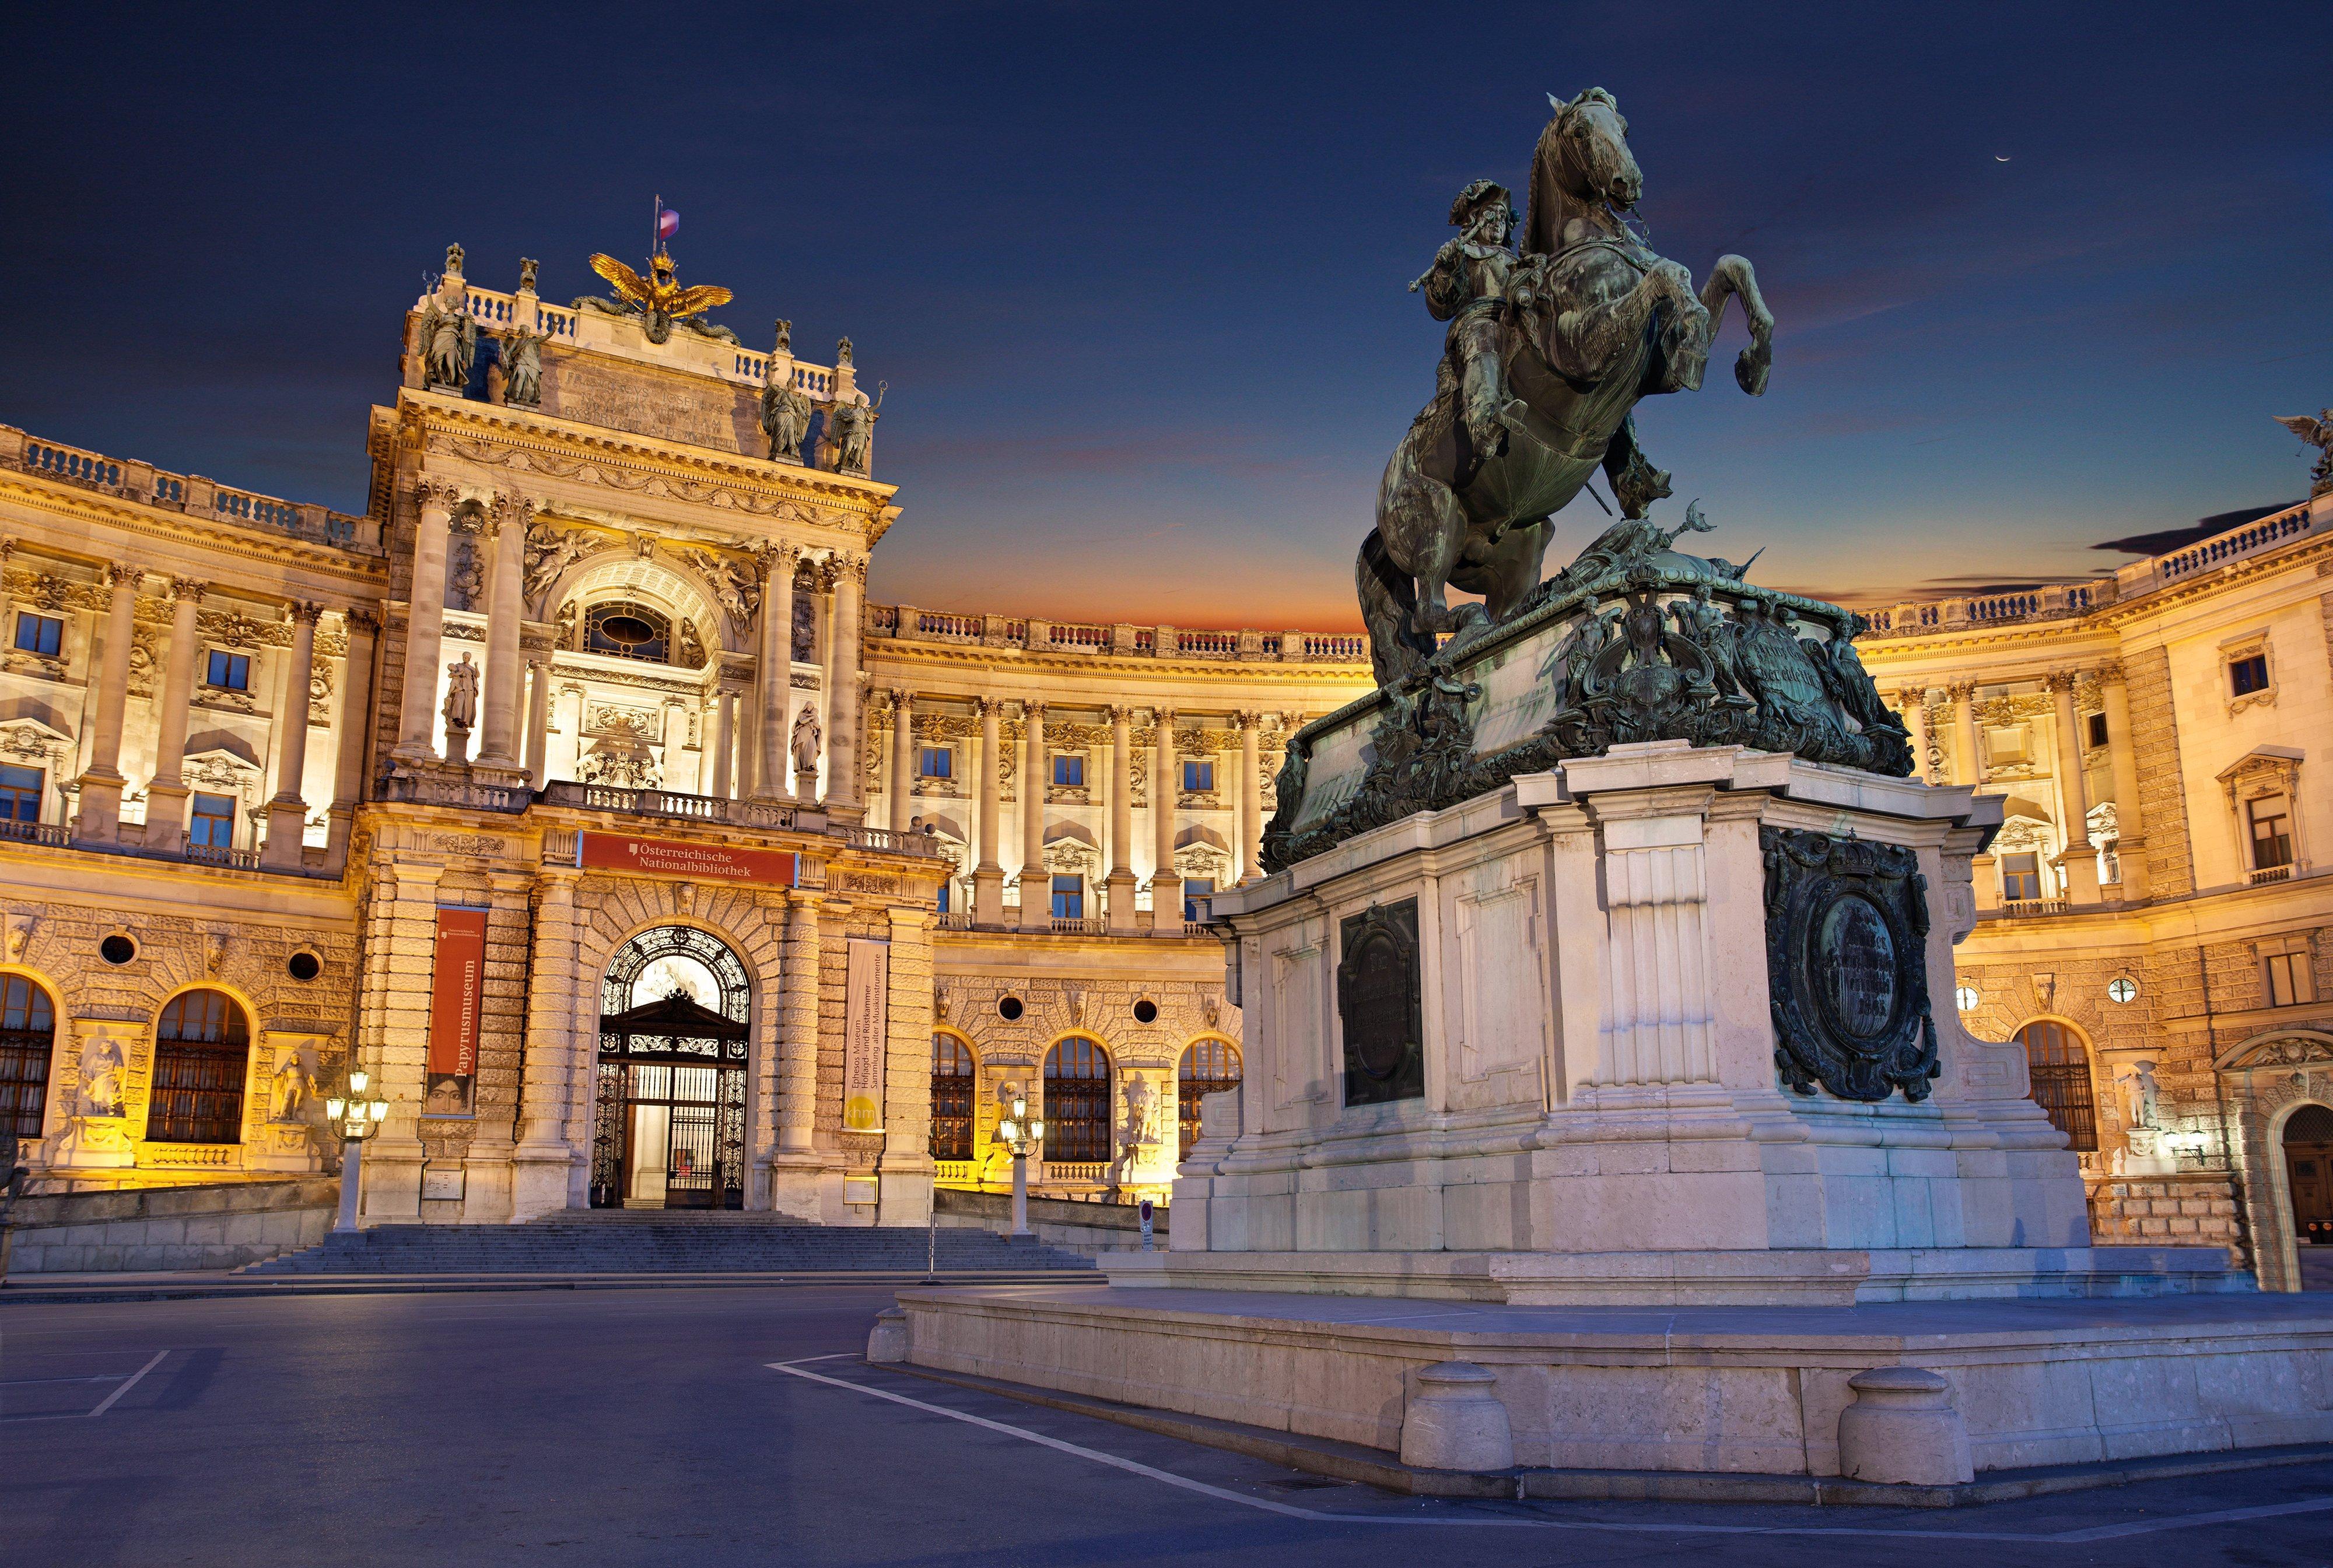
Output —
(132, 1383)
(28, 1382)
(2096, 1533)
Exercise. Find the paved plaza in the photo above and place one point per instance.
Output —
(651, 1427)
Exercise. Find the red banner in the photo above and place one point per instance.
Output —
(457, 987)
(677, 858)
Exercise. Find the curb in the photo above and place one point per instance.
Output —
(20, 1294)
(1373, 1467)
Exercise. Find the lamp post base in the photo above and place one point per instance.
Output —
(1020, 1195)
(352, 1183)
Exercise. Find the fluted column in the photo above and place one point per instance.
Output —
(1120, 881)
(1036, 891)
(1914, 707)
(2130, 820)
(903, 758)
(724, 743)
(100, 781)
(506, 609)
(1968, 763)
(287, 813)
(842, 767)
(538, 721)
(166, 796)
(1251, 797)
(2078, 862)
(773, 677)
(356, 731)
(425, 625)
(988, 873)
(1165, 883)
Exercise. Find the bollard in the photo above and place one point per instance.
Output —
(886, 1341)
(1902, 1428)
(1455, 1422)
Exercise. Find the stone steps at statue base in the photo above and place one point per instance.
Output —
(639, 1244)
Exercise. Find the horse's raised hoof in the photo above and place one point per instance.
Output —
(1751, 370)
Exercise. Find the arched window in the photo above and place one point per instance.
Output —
(28, 1029)
(1209, 1068)
(1077, 1101)
(202, 1048)
(951, 1096)
(628, 630)
(2309, 1171)
(2059, 1064)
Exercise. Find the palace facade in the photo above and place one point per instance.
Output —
(765, 896)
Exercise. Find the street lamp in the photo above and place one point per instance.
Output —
(1019, 1131)
(360, 1117)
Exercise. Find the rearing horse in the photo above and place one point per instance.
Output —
(1594, 321)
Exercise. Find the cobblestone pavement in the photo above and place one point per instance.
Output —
(647, 1427)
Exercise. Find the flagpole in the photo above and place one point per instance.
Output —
(655, 222)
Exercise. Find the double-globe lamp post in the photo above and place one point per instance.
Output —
(1020, 1132)
(360, 1117)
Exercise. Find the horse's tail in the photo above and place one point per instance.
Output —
(1389, 596)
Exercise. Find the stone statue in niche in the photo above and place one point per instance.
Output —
(785, 418)
(291, 1090)
(449, 333)
(2141, 1096)
(468, 578)
(805, 628)
(522, 367)
(806, 738)
(692, 646)
(461, 708)
(101, 1078)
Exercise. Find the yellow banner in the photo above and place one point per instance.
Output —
(867, 1027)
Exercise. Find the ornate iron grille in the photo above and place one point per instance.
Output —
(687, 942)
(2058, 1065)
(202, 1053)
(1077, 1102)
(28, 1035)
(608, 1138)
(953, 1082)
(675, 1056)
(1209, 1068)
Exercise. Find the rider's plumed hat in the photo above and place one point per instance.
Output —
(1476, 196)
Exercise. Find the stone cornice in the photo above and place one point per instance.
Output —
(1093, 662)
(80, 507)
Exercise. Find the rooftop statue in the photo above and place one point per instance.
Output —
(1547, 353)
(2318, 432)
(449, 336)
(658, 299)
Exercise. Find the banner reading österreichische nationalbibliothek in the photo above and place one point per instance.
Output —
(456, 990)
(866, 1024)
(679, 857)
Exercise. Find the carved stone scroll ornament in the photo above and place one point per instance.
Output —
(1847, 938)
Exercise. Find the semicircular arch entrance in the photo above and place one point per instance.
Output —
(668, 1127)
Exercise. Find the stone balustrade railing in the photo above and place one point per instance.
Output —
(2060, 601)
(909, 624)
(498, 312)
(188, 492)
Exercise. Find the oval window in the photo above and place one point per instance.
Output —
(305, 966)
(1146, 1011)
(117, 949)
(1009, 1009)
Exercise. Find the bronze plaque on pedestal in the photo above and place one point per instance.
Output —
(1378, 1001)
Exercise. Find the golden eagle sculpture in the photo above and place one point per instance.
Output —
(658, 300)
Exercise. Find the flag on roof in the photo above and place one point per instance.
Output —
(667, 223)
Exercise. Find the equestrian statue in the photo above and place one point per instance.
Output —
(1547, 353)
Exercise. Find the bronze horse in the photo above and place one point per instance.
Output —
(1594, 319)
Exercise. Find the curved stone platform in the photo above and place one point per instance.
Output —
(1704, 1388)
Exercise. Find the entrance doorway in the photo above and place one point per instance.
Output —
(669, 1127)
(2308, 1174)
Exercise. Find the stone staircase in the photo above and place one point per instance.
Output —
(634, 1242)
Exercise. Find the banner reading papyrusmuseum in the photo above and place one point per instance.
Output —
(456, 991)
(680, 857)
(866, 1023)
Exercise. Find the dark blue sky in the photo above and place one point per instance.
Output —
(1134, 273)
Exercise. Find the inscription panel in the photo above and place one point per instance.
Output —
(1380, 1005)
(702, 412)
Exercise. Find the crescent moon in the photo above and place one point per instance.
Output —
(1998, 158)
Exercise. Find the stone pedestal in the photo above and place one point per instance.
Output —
(93, 1143)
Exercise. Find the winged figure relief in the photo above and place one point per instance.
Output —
(658, 299)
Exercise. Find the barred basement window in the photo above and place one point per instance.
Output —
(2059, 1063)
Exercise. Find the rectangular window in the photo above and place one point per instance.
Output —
(2272, 824)
(1194, 889)
(230, 670)
(2098, 729)
(212, 824)
(2289, 983)
(1069, 898)
(1198, 776)
(938, 762)
(40, 634)
(20, 794)
(2020, 878)
(1069, 769)
(2249, 674)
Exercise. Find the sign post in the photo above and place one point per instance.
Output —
(1146, 1225)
